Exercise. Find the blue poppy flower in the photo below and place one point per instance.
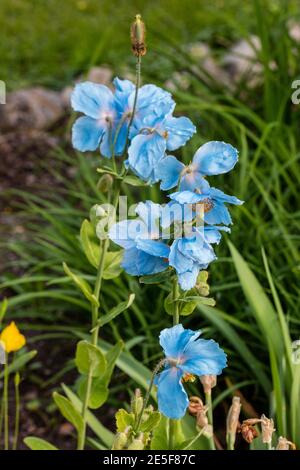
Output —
(144, 253)
(154, 136)
(214, 200)
(189, 255)
(107, 114)
(212, 158)
(185, 354)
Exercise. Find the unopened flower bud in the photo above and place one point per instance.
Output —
(195, 405)
(284, 444)
(105, 183)
(137, 402)
(120, 441)
(137, 443)
(267, 428)
(138, 34)
(208, 382)
(249, 432)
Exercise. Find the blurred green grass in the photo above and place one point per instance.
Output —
(51, 42)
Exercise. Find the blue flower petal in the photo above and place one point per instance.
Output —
(173, 340)
(123, 86)
(96, 101)
(212, 233)
(180, 130)
(203, 357)
(125, 232)
(194, 180)
(188, 279)
(138, 263)
(144, 153)
(171, 396)
(86, 134)
(214, 158)
(219, 195)
(178, 259)
(187, 197)
(219, 214)
(153, 247)
(152, 100)
(149, 212)
(175, 212)
(168, 172)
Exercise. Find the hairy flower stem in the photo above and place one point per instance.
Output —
(5, 402)
(174, 423)
(95, 315)
(208, 402)
(146, 399)
(104, 249)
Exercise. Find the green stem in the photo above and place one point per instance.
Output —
(208, 402)
(230, 440)
(17, 415)
(195, 439)
(269, 445)
(1, 414)
(5, 401)
(137, 86)
(95, 333)
(175, 293)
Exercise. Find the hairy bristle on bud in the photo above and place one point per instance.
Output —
(138, 34)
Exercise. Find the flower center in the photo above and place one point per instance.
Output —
(188, 377)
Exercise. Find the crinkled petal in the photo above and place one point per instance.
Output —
(152, 100)
(174, 340)
(168, 172)
(214, 158)
(144, 153)
(203, 357)
(86, 134)
(92, 99)
(178, 259)
(180, 130)
(171, 396)
(138, 263)
(212, 233)
(153, 247)
(188, 279)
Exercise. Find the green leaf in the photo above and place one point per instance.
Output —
(90, 243)
(82, 284)
(261, 306)
(35, 443)
(198, 299)
(218, 318)
(112, 264)
(156, 278)
(151, 422)
(160, 435)
(3, 308)
(133, 181)
(68, 411)
(90, 358)
(97, 427)
(98, 394)
(111, 358)
(114, 312)
(124, 419)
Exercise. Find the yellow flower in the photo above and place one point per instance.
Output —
(12, 338)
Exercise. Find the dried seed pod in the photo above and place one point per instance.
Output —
(267, 429)
(138, 34)
(198, 409)
(248, 432)
(233, 416)
(284, 444)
